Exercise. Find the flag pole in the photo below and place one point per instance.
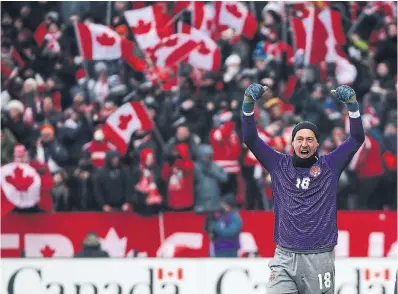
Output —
(175, 17)
(161, 228)
(109, 13)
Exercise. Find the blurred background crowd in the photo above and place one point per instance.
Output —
(54, 105)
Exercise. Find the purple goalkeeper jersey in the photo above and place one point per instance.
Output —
(305, 198)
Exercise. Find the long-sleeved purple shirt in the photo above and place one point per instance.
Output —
(305, 198)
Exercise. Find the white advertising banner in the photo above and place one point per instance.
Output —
(177, 276)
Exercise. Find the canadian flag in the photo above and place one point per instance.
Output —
(207, 55)
(127, 119)
(203, 17)
(235, 15)
(99, 42)
(376, 274)
(20, 187)
(163, 274)
(174, 49)
(320, 35)
(149, 25)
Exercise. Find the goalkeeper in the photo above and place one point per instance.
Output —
(304, 187)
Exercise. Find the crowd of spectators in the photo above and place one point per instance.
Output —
(55, 106)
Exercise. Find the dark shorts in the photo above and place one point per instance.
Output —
(312, 273)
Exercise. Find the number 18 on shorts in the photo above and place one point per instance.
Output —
(291, 273)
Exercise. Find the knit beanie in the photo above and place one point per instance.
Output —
(306, 125)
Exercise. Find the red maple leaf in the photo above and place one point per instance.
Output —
(19, 181)
(142, 27)
(47, 251)
(124, 121)
(234, 10)
(203, 49)
(171, 42)
(105, 40)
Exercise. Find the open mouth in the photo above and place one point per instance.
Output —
(304, 152)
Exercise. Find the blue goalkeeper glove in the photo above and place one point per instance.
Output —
(346, 95)
(252, 94)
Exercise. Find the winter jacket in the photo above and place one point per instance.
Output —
(208, 178)
(227, 147)
(7, 147)
(112, 185)
(226, 231)
(52, 153)
(19, 129)
(179, 176)
(75, 135)
(91, 252)
(47, 183)
(97, 151)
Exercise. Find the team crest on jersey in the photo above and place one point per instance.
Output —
(272, 276)
(315, 171)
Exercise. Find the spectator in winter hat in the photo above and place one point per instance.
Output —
(226, 145)
(81, 184)
(232, 64)
(49, 114)
(112, 185)
(101, 87)
(274, 107)
(259, 57)
(122, 30)
(100, 67)
(91, 247)
(97, 148)
(30, 85)
(53, 41)
(178, 172)
(13, 121)
(183, 135)
(272, 13)
(148, 187)
(225, 230)
(208, 180)
(48, 150)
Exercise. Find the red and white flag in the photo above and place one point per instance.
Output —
(20, 187)
(203, 17)
(40, 33)
(99, 42)
(319, 35)
(149, 25)
(174, 49)
(346, 72)
(207, 55)
(305, 31)
(237, 16)
(127, 119)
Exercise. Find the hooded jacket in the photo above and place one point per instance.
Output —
(111, 184)
(208, 178)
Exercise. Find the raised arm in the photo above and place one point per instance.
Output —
(264, 153)
(341, 156)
